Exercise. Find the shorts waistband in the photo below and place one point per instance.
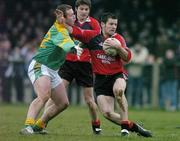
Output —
(103, 75)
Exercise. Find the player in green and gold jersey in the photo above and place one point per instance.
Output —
(43, 73)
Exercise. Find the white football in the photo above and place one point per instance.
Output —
(110, 50)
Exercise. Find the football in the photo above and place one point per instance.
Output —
(110, 50)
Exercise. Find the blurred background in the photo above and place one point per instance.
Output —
(151, 29)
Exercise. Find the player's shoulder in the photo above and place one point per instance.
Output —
(118, 36)
(94, 24)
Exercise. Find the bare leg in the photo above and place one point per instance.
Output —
(106, 106)
(118, 89)
(59, 102)
(43, 91)
(89, 99)
(51, 102)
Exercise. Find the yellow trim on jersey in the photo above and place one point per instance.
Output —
(60, 27)
(45, 40)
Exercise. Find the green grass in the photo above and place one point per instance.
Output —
(74, 125)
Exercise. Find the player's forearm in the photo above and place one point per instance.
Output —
(125, 54)
(83, 35)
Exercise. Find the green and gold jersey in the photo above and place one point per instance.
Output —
(54, 46)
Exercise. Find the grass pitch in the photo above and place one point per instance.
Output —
(74, 125)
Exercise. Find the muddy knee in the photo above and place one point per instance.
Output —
(118, 93)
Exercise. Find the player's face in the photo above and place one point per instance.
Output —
(70, 17)
(82, 12)
(110, 26)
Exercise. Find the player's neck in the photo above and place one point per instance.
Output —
(105, 35)
(81, 20)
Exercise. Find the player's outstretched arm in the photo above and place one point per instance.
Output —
(83, 35)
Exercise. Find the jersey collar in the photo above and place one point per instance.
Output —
(88, 20)
(58, 25)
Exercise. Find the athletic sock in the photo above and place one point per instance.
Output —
(29, 122)
(96, 126)
(39, 125)
(96, 123)
(126, 124)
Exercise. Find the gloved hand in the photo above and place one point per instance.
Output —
(79, 51)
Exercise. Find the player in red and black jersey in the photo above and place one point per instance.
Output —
(110, 75)
(79, 67)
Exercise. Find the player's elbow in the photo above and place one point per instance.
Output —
(127, 57)
(126, 60)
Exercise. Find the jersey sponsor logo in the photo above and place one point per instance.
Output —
(105, 59)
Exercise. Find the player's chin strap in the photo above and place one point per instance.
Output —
(79, 51)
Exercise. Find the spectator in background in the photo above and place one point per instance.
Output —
(178, 77)
(163, 43)
(135, 69)
(169, 82)
(5, 47)
(16, 73)
(147, 79)
(27, 52)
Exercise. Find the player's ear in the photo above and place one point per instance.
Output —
(59, 16)
(102, 24)
(58, 13)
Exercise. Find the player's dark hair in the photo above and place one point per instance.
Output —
(64, 8)
(83, 2)
(105, 16)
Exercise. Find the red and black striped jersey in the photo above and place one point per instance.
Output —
(91, 24)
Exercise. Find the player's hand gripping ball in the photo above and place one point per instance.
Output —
(110, 46)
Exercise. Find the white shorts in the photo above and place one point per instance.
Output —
(37, 70)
